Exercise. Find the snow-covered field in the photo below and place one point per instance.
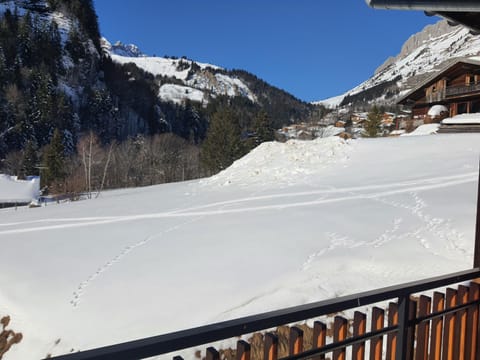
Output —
(288, 224)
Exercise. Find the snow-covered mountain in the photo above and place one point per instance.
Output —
(422, 54)
(121, 49)
(189, 79)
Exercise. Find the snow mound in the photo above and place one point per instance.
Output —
(463, 119)
(283, 164)
(427, 129)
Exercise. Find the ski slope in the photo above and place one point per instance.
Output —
(286, 225)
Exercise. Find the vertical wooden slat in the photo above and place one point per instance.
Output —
(423, 329)
(319, 337)
(461, 324)
(437, 327)
(392, 337)
(212, 354)
(412, 313)
(376, 344)
(359, 328)
(296, 341)
(271, 347)
(243, 350)
(472, 323)
(340, 328)
(449, 326)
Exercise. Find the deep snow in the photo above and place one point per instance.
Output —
(288, 224)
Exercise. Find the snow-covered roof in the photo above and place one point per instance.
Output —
(436, 110)
(463, 119)
(13, 190)
(397, 132)
(427, 129)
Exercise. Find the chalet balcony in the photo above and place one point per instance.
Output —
(436, 96)
(462, 90)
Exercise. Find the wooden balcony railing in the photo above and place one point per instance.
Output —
(448, 324)
(462, 90)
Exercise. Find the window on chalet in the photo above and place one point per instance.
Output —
(470, 80)
(462, 108)
(475, 107)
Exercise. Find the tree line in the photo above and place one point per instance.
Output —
(139, 160)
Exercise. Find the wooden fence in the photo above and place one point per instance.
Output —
(437, 333)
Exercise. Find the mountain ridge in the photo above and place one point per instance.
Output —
(422, 55)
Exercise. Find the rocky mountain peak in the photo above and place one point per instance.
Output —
(422, 55)
(121, 49)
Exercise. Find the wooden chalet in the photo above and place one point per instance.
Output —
(457, 88)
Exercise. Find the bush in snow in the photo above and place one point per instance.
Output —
(7, 337)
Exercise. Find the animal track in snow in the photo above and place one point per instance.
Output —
(388, 235)
(336, 241)
(440, 228)
(79, 292)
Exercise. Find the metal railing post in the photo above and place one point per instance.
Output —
(476, 256)
(403, 303)
(406, 333)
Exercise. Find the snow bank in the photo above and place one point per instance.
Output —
(463, 119)
(283, 163)
(426, 129)
(13, 190)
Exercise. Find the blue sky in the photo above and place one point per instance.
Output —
(314, 49)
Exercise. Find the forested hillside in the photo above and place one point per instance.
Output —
(66, 107)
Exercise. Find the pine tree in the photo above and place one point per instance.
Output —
(75, 45)
(54, 160)
(3, 70)
(41, 104)
(374, 120)
(223, 144)
(24, 40)
(263, 127)
(30, 159)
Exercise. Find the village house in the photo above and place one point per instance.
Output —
(388, 118)
(451, 92)
(14, 192)
(358, 119)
